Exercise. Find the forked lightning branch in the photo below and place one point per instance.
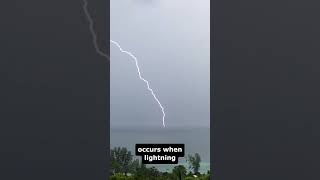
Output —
(95, 43)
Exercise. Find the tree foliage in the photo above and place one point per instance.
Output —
(194, 162)
(121, 160)
(179, 172)
(125, 167)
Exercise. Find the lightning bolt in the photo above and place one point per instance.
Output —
(101, 53)
(143, 79)
(93, 33)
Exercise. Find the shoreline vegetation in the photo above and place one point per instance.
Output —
(125, 167)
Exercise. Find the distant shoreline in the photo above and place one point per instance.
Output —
(156, 128)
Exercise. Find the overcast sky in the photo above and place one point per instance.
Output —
(171, 39)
